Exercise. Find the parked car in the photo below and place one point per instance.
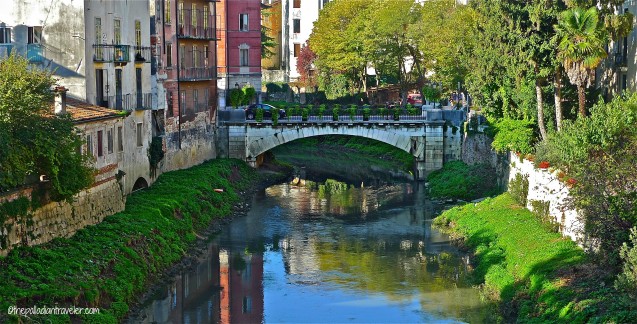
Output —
(414, 99)
(251, 111)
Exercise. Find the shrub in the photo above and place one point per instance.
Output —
(519, 188)
(321, 111)
(259, 115)
(304, 114)
(236, 97)
(366, 113)
(514, 135)
(627, 279)
(397, 113)
(352, 112)
(275, 116)
(248, 95)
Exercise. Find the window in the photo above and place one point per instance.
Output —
(297, 26)
(243, 22)
(89, 145)
(34, 35)
(243, 56)
(181, 13)
(182, 102)
(297, 50)
(205, 56)
(117, 30)
(109, 141)
(169, 55)
(182, 56)
(195, 99)
(195, 56)
(120, 139)
(98, 38)
(171, 104)
(139, 134)
(100, 141)
(5, 35)
(206, 97)
(193, 14)
(247, 305)
(167, 12)
(297, 3)
(138, 34)
(205, 17)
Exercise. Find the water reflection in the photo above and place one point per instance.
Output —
(336, 254)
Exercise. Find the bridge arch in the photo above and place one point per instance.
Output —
(413, 145)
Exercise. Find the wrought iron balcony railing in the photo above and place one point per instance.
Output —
(111, 53)
(195, 24)
(620, 60)
(142, 54)
(196, 73)
(130, 102)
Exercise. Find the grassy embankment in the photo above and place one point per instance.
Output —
(319, 152)
(461, 181)
(534, 274)
(110, 264)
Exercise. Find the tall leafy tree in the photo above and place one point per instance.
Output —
(305, 66)
(581, 47)
(32, 141)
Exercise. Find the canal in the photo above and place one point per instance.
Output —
(326, 252)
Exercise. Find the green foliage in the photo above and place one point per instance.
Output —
(274, 87)
(461, 181)
(396, 113)
(335, 112)
(31, 141)
(513, 135)
(627, 279)
(321, 111)
(366, 113)
(352, 111)
(598, 152)
(431, 93)
(275, 116)
(259, 115)
(248, 95)
(305, 112)
(236, 97)
(519, 188)
(518, 260)
(155, 153)
(108, 265)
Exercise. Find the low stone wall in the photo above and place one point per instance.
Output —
(63, 219)
(546, 188)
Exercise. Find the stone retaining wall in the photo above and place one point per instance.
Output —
(63, 219)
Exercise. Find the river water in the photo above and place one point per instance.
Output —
(327, 253)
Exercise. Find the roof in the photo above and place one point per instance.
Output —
(83, 112)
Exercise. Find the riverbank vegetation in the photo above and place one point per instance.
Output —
(535, 274)
(461, 181)
(320, 152)
(108, 265)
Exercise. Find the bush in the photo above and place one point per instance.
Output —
(514, 135)
(321, 111)
(519, 188)
(248, 95)
(305, 114)
(366, 113)
(275, 116)
(259, 115)
(627, 279)
(236, 97)
(352, 112)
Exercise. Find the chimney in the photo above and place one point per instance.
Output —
(60, 100)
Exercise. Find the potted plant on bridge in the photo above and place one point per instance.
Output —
(352, 111)
(321, 111)
(275, 116)
(335, 111)
(304, 114)
(366, 112)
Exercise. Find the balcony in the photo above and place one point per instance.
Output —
(111, 53)
(194, 28)
(130, 102)
(142, 54)
(196, 74)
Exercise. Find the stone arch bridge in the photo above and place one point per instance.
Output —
(430, 142)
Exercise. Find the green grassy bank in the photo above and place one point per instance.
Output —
(534, 274)
(461, 181)
(358, 150)
(110, 264)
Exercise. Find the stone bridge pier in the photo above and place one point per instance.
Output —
(431, 143)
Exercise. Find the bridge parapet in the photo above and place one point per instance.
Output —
(425, 140)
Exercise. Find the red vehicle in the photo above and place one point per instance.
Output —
(414, 99)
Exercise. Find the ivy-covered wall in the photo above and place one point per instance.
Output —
(24, 225)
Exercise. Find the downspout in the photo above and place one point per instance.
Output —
(214, 21)
(178, 88)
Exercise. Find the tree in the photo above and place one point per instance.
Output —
(248, 95)
(305, 66)
(581, 48)
(267, 40)
(32, 142)
(236, 97)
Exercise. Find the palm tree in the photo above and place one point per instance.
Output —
(581, 47)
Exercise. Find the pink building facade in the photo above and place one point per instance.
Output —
(239, 46)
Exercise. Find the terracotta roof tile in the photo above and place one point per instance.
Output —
(83, 112)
